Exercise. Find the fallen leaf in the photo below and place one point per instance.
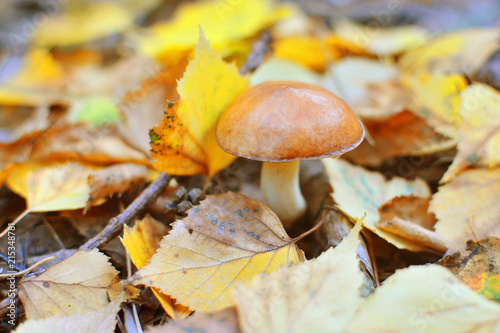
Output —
(82, 23)
(480, 270)
(456, 52)
(53, 187)
(360, 193)
(222, 321)
(302, 49)
(437, 302)
(382, 41)
(276, 69)
(73, 286)
(101, 320)
(115, 179)
(184, 143)
(141, 242)
(97, 111)
(466, 208)
(436, 98)
(35, 81)
(18, 121)
(410, 208)
(479, 143)
(227, 238)
(319, 295)
(245, 18)
(403, 134)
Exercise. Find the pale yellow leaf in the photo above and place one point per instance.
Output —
(75, 285)
(52, 187)
(358, 192)
(227, 238)
(222, 321)
(382, 41)
(479, 143)
(455, 52)
(101, 320)
(426, 299)
(319, 295)
(467, 208)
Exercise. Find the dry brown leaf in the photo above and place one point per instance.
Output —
(481, 269)
(222, 321)
(467, 208)
(19, 121)
(227, 238)
(319, 295)
(407, 217)
(141, 242)
(403, 134)
(73, 286)
(360, 193)
(101, 320)
(115, 179)
(479, 143)
(425, 299)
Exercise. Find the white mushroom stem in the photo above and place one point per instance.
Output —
(280, 188)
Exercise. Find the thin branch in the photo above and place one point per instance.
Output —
(11, 262)
(136, 208)
(27, 270)
(256, 55)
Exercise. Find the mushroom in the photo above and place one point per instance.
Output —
(281, 123)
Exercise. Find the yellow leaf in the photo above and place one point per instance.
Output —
(358, 192)
(83, 23)
(436, 98)
(99, 320)
(227, 238)
(39, 71)
(436, 302)
(53, 187)
(183, 143)
(304, 50)
(479, 143)
(223, 22)
(454, 52)
(466, 208)
(141, 243)
(320, 295)
(75, 285)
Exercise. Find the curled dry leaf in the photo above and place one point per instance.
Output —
(403, 134)
(425, 299)
(467, 208)
(102, 320)
(222, 321)
(75, 285)
(407, 217)
(141, 242)
(359, 192)
(319, 295)
(479, 143)
(227, 238)
(480, 270)
(183, 143)
(115, 179)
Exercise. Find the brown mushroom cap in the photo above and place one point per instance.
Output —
(281, 121)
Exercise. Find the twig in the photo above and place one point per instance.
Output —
(256, 55)
(27, 270)
(115, 225)
(11, 262)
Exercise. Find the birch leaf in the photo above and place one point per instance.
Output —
(227, 238)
